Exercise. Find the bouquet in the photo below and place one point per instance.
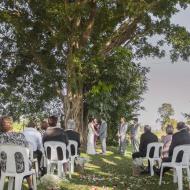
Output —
(50, 182)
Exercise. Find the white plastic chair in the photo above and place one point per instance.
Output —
(178, 166)
(10, 169)
(156, 156)
(72, 157)
(53, 160)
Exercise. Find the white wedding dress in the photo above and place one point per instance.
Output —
(90, 140)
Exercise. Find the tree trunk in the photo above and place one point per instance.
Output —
(73, 101)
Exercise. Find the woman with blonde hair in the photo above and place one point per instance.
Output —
(167, 139)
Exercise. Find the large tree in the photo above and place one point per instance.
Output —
(52, 44)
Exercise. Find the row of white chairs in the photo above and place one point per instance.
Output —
(176, 166)
(15, 179)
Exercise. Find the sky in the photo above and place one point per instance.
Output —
(168, 82)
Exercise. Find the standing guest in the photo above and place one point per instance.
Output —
(103, 135)
(90, 139)
(166, 140)
(73, 135)
(7, 136)
(122, 130)
(43, 128)
(146, 138)
(34, 139)
(134, 136)
(97, 128)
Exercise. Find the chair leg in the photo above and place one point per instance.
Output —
(60, 170)
(188, 175)
(72, 164)
(159, 163)
(2, 181)
(174, 175)
(69, 163)
(48, 168)
(161, 174)
(36, 169)
(34, 181)
(18, 183)
(11, 183)
(179, 178)
(151, 167)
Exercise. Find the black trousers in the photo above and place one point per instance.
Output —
(137, 155)
(38, 154)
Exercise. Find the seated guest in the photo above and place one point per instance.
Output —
(166, 140)
(7, 136)
(43, 127)
(181, 137)
(34, 138)
(146, 138)
(54, 133)
(72, 134)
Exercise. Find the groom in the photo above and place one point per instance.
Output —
(103, 135)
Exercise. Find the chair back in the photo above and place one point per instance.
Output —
(74, 144)
(157, 149)
(184, 150)
(14, 159)
(54, 148)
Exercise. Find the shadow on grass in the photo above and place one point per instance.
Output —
(114, 172)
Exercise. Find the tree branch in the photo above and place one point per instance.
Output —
(90, 24)
(125, 32)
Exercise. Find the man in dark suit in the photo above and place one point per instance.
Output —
(54, 133)
(146, 138)
(182, 137)
(73, 135)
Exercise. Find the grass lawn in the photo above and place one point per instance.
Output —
(114, 172)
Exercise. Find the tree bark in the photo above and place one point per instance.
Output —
(73, 101)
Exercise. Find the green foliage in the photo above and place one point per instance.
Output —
(187, 117)
(46, 46)
(117, 89)
(165, 112)
(18, 127)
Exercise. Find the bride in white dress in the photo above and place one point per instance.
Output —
(90, 138)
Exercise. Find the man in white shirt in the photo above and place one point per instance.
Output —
(34, 138)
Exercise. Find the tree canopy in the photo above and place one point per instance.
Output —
(50, 46)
